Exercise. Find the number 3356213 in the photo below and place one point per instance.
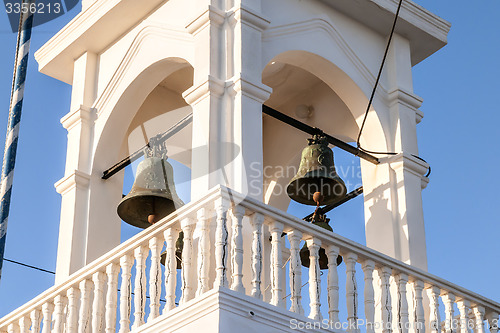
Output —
(33, 8)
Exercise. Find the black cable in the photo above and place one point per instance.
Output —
(376, 84)
(29, 266)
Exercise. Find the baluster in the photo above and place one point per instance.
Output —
(435, 317)
(24, 325)
(493, 322)
(237, 249)
(464, 308)
(314, 279)
(155, 245)
(47, 309)
(479, 316)
(36, 317)
(257, 221)
(171, 236)
(84, 318)
(385, 298)
(73, 295)
(368, 268)
(112, 271)
(13, 328)
(140, 255)
(187, 226)
(295, 237)
(221, 235)
(403, 312)
(126, 263)
(449, 300)
(60, 303)
(276, 229)
(419, 315)
(351, 291)
(332, 252)
(99, 279)
(203, 252)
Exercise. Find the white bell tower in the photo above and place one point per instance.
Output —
(138, 67)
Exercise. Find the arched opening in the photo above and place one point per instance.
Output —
(315, 91)
(149, 104)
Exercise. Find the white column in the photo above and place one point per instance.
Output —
(155, 246)
(314, 279)
(368, 268)
(98, 306)
(140, 254)
(351, 291)
(464, 308)
(86, 300)
(76, 241)
(60, 302)
(257, 220)
(276, 229)
(403, 312)
(238, 212)
(187, 226)
(493, 322)
(385, 298)
(435, 317)
(24, 324)
(204, 254)
(126, 263)
(419, 315)
(294, 237)
(449, 300)
(112, 271)
(221, 248)
(479, 317)
(36, 317)
(171, 236)
(392, 189)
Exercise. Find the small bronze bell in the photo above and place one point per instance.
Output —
(322, 221)
(153, 194)
(316, 174)
(179, 244)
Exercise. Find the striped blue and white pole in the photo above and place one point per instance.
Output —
(16, 104)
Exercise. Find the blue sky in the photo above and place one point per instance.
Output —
(458, 137)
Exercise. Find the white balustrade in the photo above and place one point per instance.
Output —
(238, 212)
(112, 271)
(88, 300)
(155, 246)
(368, 269)
(276, 229)
(294, 238)
(203, 252)
(257, 220)
(187, 260)
(314, 279)
(98, 307)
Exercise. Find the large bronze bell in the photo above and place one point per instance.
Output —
(153, 194)
(321, 221)
(316, 174)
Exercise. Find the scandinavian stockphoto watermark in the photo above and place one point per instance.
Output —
(349, 325)
(43, 10)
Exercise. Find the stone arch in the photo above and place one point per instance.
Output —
(139, 78)
(339, 103)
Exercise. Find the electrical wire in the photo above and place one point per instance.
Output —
(29, 266)
(376, 85)
(358, 144)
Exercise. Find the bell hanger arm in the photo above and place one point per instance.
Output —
(325, 209)
(160, 138)
(316, 131)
